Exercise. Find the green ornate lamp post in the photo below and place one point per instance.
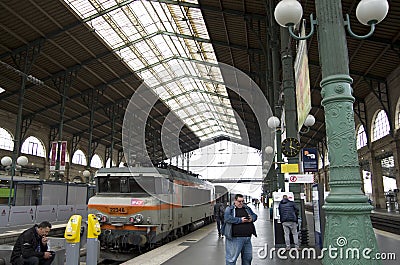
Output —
(348, 224)
(13, 165)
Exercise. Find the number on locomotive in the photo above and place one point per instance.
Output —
(117, 210)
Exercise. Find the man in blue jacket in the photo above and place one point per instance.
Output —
(238, 228)
(288, 212)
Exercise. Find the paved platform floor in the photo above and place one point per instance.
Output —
(204, 247)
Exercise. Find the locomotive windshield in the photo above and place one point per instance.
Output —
(126, 184)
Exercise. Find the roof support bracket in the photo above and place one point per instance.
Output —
(360, 109)
(381, 92)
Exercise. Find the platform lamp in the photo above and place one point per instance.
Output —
(348, 223)
(13, 166)
(87, 174)
(273, 122)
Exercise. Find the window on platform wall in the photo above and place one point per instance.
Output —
(397, 115)
(381, 126)
(108, 163)
(388, 173)
(326, 158)
(79, 158)
(361, 137)
(33, 146)
(6, 140)
(96, 161)
(320, 164)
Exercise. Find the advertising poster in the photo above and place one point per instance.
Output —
(302, 76)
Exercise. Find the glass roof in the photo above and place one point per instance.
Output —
(168, 46)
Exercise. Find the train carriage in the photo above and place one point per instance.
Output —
(141, 206)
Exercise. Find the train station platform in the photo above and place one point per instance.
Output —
(9, 234)
(204, 247)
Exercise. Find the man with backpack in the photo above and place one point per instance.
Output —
(219, 211)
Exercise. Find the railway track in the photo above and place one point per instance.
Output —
(380, 220)
(388, 223)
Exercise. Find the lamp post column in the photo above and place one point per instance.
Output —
(348, 223)
(289, 91)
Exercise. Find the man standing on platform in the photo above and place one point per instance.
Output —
(288, 212)
(219, 211)
(238, 228)
(31, 246)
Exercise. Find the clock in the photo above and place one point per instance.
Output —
(290, 147)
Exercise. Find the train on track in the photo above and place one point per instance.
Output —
(139, 207)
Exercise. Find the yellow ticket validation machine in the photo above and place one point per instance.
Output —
(72, 235)
(92, 241)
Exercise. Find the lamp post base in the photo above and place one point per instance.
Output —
(349, 235)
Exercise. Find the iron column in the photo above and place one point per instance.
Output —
(348, 223)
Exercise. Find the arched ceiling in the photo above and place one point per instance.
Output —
(67, 53)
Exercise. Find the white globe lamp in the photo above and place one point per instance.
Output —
(310, 121)
(288, 13)
(273, 122)
(22, 161)
(371, 11)
(6, 161)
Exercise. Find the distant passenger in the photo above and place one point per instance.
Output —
(31, 246)
(238, 228)
(289, 212)
(219, 211)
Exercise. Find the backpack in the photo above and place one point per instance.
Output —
(221, 211)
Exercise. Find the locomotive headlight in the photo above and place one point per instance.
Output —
(98, 216)
(138, 219)
(148, 220)
(102, 218)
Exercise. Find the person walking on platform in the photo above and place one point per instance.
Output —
(289, 212)
(31, 246)
(219, 211)
(238, 228)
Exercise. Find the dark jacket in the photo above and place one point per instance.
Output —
(231, 219)
(27, 245)
(288, 211)
(219, 211)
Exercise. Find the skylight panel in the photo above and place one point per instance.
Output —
(129, 55)
(106, 3)
(82, 7)
(155, 40)
(164, 46)
(151, 79)
(104, 29)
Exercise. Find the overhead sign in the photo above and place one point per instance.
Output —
(309, 157)
(301, 178)
(290, 168)
(53, 155)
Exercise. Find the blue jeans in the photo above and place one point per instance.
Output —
(236, 246)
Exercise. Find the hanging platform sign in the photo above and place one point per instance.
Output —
(310, 159)
(63, 155)
(290, 168)
(53, 156)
